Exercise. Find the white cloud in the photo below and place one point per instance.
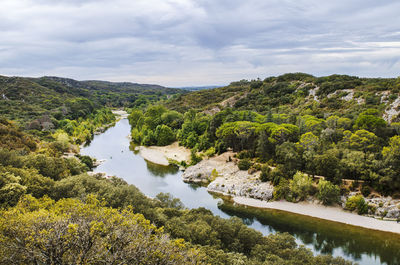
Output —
(194, 42)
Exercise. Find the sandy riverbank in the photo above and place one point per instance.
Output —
(335, 214)
(161, 154)
(238, 184)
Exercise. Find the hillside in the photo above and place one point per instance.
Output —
(117, 94)
(344, 129)
(300, 94)
(48, 99)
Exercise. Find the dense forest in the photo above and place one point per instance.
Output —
(53, 212)
(291, 127)
(40, 103)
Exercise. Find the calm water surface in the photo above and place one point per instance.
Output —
(357, 244)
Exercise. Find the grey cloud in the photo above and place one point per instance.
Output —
(189, 42)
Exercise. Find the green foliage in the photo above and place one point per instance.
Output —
(265, 173)
(194, 158)
(365, 190)
(172, 119)
(288, 156)
(309, 141)
(13, 138)
(35, 184)
(210, 152)
(87, 160)
(358, 203)
(10, 189)
(328, 193)
(282, 190)
(244, 164)
(164, 135)
(328, 165)
(300, 186)
(168, 201)
(72, 232)
(368, 120)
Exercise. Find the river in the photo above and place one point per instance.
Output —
(353, 243)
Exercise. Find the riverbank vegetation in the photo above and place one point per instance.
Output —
(341, 129)
(45, 199)
(52, 211)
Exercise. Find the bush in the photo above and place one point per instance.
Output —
(10, 189)
(328, 193)
(87, 160)
(357, 202)
(276, 175)
(365, 190)
(282, 191)
(243, 154)
(210, 152)
(244, 164)
(194, 158)
(300, 185)
(72, 232)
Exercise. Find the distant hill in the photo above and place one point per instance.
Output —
(114, 94)
(24, 99)
(196, 88)
(299, 93)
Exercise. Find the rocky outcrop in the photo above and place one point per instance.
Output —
(224, 177)
(202, 171)
(384, 207)
(380, 207)
(242, 184)
(392, 111)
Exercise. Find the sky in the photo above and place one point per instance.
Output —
(198, 42)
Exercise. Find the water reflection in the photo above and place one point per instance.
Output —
(325, 237)
(161, 171)
(365, 246)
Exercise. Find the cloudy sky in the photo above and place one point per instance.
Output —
(198, 42)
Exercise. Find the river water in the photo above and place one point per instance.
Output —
(357, 244)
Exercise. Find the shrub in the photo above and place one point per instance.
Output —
(10, 189)
(265, 173)
(357, 202)
(243, 154)
(244, 164)
(72, 232)
(194, 158)
(282, 190)
(300, 185)
(210, 152)
(365, 190)
(276, 175)
(328, 193)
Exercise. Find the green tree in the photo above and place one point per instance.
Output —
(328, 165)
(164, 135)
(328, 193)
(300, 186)
(134, 118)
(173, 119)
(72, 232)
(10, 189)
(264, 147)
(309, 141)
(368, 120)
(287, 155)
(363, 140)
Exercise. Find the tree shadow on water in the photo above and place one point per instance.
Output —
(161, 171)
